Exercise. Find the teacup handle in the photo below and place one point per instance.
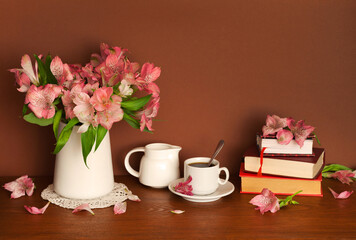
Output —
(227, 175)
(127, 158)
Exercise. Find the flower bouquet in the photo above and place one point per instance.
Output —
(93, 96)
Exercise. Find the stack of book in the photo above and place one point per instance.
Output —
(283, 169)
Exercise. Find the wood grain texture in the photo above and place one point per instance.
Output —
(231, 217)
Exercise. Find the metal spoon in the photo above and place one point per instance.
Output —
(217, 150)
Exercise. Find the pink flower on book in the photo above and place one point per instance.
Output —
(284, 137)
(84, 206)
(266, 201)
(21, 186)
(273, 125)
(120, 207)
(344, 176)
(184, 187)
(342, 195)
(40, 100)
(34, 210)
(299, 130)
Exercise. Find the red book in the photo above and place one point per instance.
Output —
(251, 183)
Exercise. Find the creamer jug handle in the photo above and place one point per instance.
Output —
(127, 164)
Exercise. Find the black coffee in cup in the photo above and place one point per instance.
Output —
(201, 165)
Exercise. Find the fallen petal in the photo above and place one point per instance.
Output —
(185, 187)
(20, 186)
(120, 207)
(84, 206)
(342, 195)
(343, 176)
(134, 198)
(177, 211)
(34, 210)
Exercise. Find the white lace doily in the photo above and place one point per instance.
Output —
(119, 194)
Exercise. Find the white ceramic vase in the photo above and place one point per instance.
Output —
(72, 179)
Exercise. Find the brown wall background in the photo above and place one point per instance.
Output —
(225, 66)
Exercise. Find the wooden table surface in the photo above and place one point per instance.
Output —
(231, 217)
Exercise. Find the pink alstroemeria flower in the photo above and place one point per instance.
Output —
(184, 187)
(299, 130)
(21, 186)
(34, 210)
(130, 72)
(153, 89)
(145, 122)
(108, 117)
(266, 201)
(27, 68)
(90, 88)
(344, 176)
(22, 80)
(120, 207)
(111, 110)
(89, 74)
(273, 124)
(84, 206)
(149, 73)
(97, 59)
(148, 113)
(84, 111)
(61, 72)
(134, 198)
(40, 100)
(101, 98)
(342, 195)
(125, 89)
(284, 137)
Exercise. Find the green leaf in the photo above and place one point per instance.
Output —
(88, 139)
(57, 101)
(136, 104)
(335, 167)
(294, 202)
(42, 75)
(65, 134)
(24, 109)
(327, 174)
(31, 118)
(50, 77)
(100, 134)
(130, 120)
(133, 122)
(56, 121)
(317, 139)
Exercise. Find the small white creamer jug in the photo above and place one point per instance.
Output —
(159, 165)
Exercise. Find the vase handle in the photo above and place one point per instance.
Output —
(132, 171)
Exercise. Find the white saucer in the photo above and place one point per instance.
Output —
(222, 191)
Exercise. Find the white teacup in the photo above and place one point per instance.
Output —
(205, 180)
